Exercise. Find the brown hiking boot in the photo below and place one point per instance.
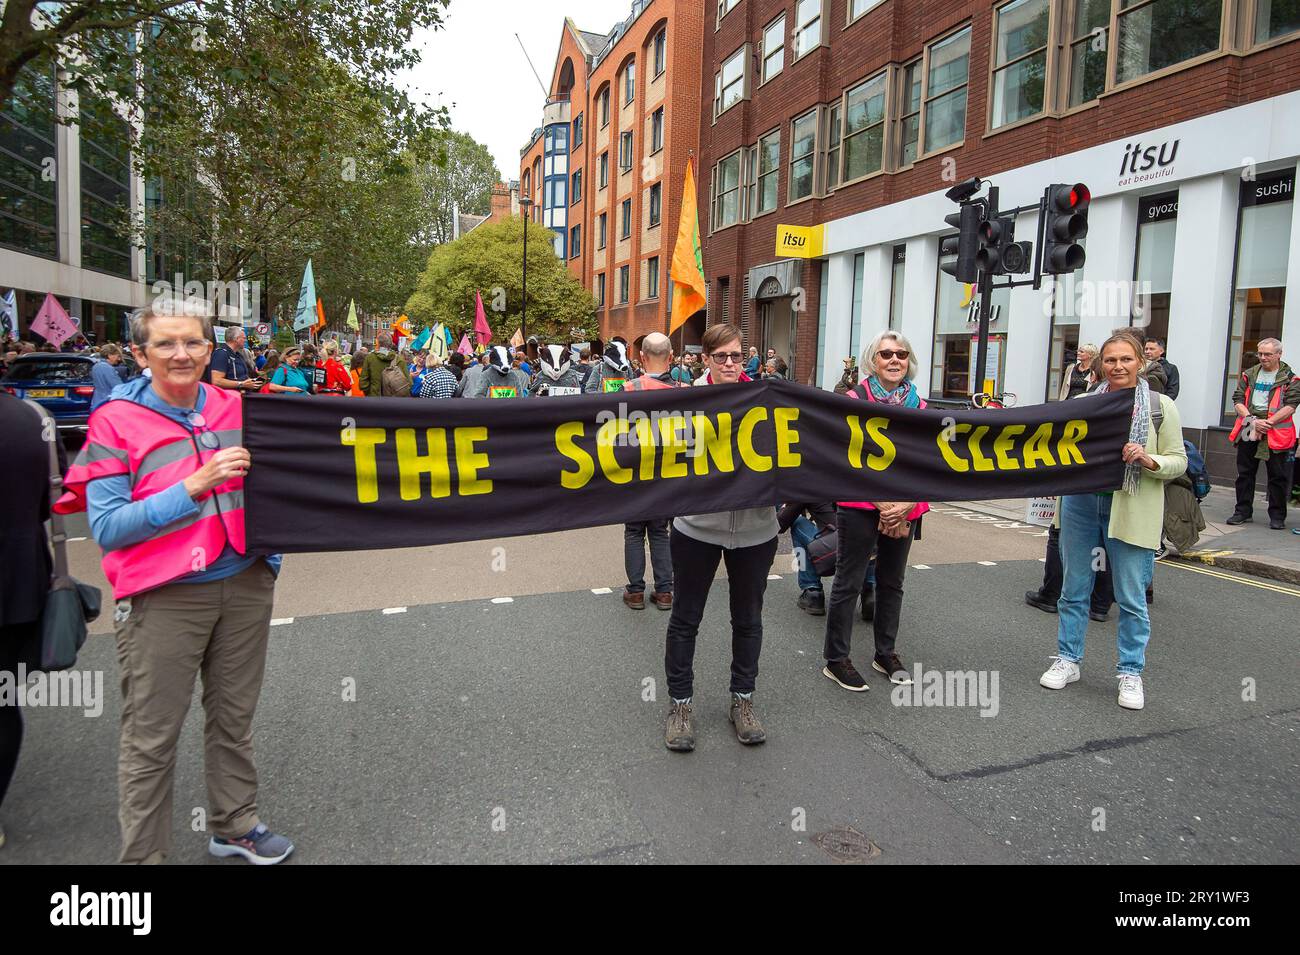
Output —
(748, 729)
(679, 734)
(662, 601)
(635, 601)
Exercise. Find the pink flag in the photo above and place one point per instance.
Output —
(52, 322)
(482, 330)
(464, 347)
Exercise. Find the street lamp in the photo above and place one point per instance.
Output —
(524, 203)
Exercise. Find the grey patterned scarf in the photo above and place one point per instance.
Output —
(1138, 431)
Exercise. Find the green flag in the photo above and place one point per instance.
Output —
(352, 316)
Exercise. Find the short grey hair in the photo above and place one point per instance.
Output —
(1269, 341)
(657, 345)
(869, 356)
(197, 309)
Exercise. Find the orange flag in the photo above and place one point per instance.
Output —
(688, 260)
(320, 312)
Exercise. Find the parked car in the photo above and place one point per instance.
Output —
(59, 382)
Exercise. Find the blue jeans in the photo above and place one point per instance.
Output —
(801, 532)
(1085, 520)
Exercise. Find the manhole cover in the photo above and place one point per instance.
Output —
(846, 844)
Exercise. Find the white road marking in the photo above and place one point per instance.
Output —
(281, 621)
(774, 577)
(389, 610)
(920, 566)
(987, 563)
(601, 591)
(75, 540)
(503, 600)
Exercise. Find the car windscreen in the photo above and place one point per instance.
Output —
(52, 369)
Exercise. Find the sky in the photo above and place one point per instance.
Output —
(474, 67)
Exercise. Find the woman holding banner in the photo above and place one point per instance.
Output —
(1126, 523)
(746, 541)
(887, 527)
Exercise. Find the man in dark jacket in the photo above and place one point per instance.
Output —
(1155, 354)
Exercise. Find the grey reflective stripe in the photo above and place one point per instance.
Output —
(230, 438)
(93, 452)
(230, 501)
(164, 455)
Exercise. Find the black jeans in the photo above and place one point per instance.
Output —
(859, 533)
(694, 565)
(1103, 593)
(12, 640)
(1278, 468)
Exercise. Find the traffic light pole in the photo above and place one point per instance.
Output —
(986, 309)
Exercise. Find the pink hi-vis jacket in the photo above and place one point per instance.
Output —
(921, 506)
(155, 452)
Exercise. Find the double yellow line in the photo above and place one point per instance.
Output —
(1276, 588)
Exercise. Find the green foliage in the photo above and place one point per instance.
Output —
(490, 260)
(460, 178)
(284, 338)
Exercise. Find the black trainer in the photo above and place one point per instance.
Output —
(1239, 518)
(1100, 616)
(1276, 525)
(1035, 598)
(813, 601)
(893, 668)
(845, 674)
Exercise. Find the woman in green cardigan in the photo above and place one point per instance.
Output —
(1122, 527)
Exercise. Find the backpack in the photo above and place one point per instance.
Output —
(1196, 471)
(393, 382)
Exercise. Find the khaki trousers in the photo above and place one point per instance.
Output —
(169, 635)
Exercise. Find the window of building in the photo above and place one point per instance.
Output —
(725, 7)
(602, 100)
(832, 171)
(602, 168)
(105, 186)
(947, 76)
(555, 194)
(660, 52)
(656, 203)
(774, 48)
(577, 131)
(767, 164)
(807, 26)
(602, 230)
(864, 128)
(600, 290)
(896, 287)
(576, 196)
(726, 192)
(652, 277)
(1088, 50)
(625, 231)
(629, 82)
(657, 130)
(624, 283)
(1259, 289)
(1153, 271)
(729, 83)
(1275, 18)
(29, 216)
(803, 151)
(909, 114)
(1020, 61)
(855, 315)
(625, 150)
(575, 241)
(1154, 34)
(858, 7)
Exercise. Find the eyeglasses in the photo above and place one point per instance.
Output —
(888, 353)
(726, 357)
(194, 346)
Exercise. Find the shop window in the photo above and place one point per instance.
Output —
(1020, 61)
(1153, 271)
(1259, 288)
(956, 327)
(1154, 34)
(896, 288)
(856, 316)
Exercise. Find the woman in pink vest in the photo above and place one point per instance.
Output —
(162, 476)
(887, 527)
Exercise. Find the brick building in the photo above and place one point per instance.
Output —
(1182, 118)
(604, 170)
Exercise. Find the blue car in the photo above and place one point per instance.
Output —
(59, 382)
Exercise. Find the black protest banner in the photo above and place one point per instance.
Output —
(349, 474)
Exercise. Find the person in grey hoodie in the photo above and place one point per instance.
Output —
(499, 380)
(610, 372)
(746, 541)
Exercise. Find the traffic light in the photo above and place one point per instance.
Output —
(994, 236)
(1066, 224)
(965, 244)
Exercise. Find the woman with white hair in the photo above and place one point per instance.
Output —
(887, 527)
(1080, 376)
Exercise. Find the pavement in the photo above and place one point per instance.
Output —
(1246, 548)
(496, 702)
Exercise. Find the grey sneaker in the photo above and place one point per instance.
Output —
(679, 734)
(259, 846)
(748, 729)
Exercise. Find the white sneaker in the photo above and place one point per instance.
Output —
(1059, 674)
(1131, 696)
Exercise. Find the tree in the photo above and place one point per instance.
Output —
(461, 180)
(489, 260)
